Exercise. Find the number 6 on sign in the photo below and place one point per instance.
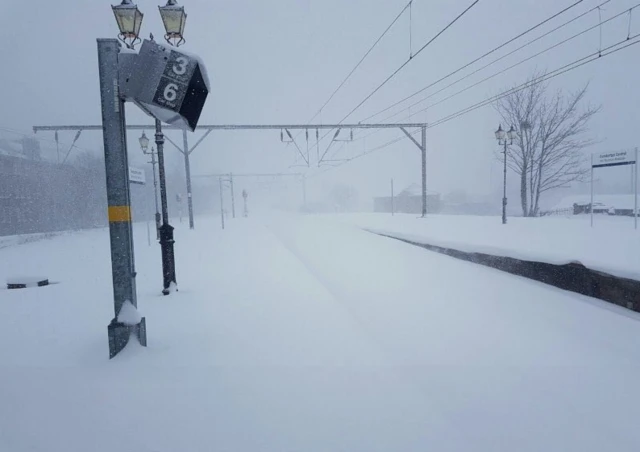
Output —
(170, 92)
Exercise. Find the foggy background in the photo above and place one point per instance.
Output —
(279, 61)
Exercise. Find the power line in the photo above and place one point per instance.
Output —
(370, 151)
(627, 11)
(382, 146)
(515, 38)
(630, 41)
(562, 70)
(408, 5)
(558, 44)
(402, 66)
(361, 61)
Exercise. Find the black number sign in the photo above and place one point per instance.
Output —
(174, 82)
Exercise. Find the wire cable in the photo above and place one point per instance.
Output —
(360, 62)
(598, 55)
(403, 65)
(564, 69)
(385, 119)
(558, 44)
(504, 44)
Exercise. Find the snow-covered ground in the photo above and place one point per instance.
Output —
(12, 240)
(308, 334)
(611, 246)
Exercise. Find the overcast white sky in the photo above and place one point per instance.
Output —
(278, 61)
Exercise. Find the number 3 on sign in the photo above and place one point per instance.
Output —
(180, 68)
(170, 92)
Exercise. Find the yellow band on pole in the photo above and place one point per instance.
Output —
(119, 214)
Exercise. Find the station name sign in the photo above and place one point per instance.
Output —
(617, 158)
(136, 176)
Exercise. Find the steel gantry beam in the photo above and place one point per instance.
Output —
(186, 151)
(423, 149)
(245, 126)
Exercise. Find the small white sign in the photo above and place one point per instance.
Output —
(614, 158)
(136, 176)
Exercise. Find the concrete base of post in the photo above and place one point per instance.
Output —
(119, 335)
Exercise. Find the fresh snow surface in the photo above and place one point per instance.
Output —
(13, 240)
(129, 315)
(611, 246)
(308, 334)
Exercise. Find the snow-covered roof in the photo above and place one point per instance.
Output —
(619, 201)
(415, 190)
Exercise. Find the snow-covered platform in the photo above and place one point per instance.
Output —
(293, 333)
(611, 246)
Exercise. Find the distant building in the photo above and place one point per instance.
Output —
(478, 208)
(408, 200)
(459, 202)
(621, 204)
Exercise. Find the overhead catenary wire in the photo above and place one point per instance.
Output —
(370, 151)
(595, 56)
(364, 57)
(293, 140)
(72, 145)
(564, 69)
(554, 46)
(385, 119)
(344, 81)
(403, 65)
(495, 49)
(538, 25)
(547, 76)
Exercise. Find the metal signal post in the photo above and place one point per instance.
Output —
(118, 198)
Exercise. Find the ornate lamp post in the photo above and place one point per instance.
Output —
(174, 19)
(144, 145)
(505, 139)
(129, 19)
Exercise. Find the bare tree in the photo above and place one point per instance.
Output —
(547, 153)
